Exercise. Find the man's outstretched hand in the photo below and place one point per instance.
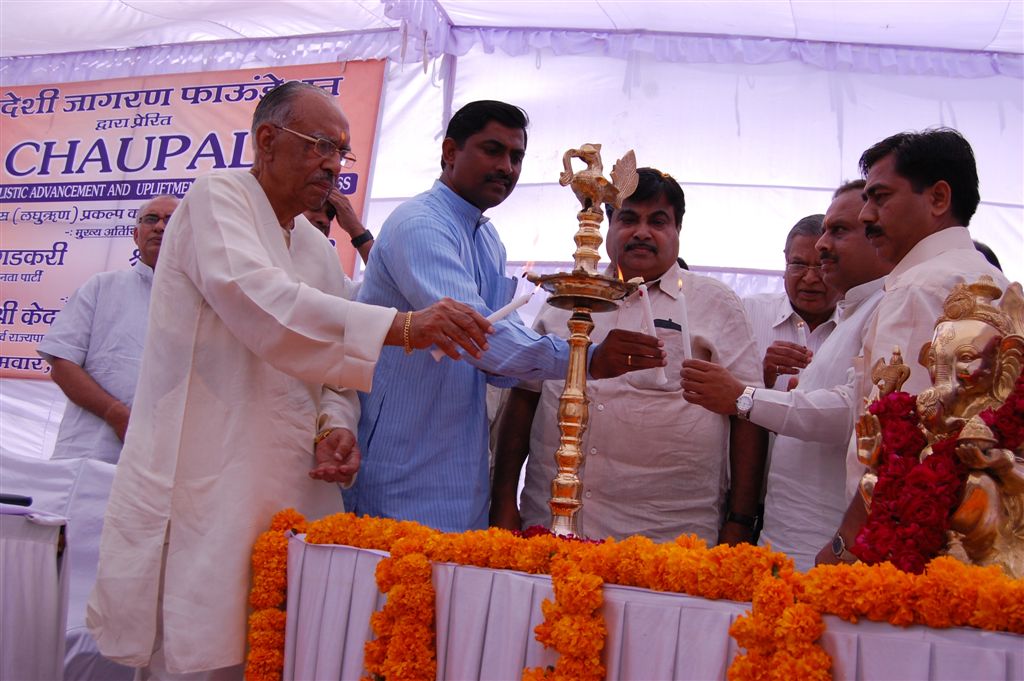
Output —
(337, 457)
(711, 386)
(448, 324)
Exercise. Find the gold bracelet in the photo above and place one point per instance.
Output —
(406, 331)
(322, 435)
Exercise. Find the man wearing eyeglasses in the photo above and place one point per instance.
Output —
(95, 345)
(805, 496)
(790, 327)
(246, 401)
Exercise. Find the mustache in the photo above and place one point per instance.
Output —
(872, 229)
(499, 177)
(827, 257)
(633, 245)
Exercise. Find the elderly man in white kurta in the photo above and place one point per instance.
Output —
(249, 344)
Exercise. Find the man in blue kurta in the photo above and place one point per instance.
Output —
(423, 430)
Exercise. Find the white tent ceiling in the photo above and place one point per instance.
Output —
(759, 107)
(32, 27)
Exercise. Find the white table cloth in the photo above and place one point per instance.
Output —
(485, 621)
(76, 489)
(34, 589)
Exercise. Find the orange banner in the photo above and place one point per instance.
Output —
(79, 159)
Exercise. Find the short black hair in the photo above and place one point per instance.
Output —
(812, 225)
(652, 184)
(475, 116)
(989, 254)
(852, 185)
(927, 157)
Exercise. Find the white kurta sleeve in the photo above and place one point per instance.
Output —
(338, 409)
(294, 327)
(822, 415)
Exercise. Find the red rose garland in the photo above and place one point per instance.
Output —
(1007, 422)
(913, 501)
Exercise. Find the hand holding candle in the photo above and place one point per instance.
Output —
(495, 316)
(801, 330)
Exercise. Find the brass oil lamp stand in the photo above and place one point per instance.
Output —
(584, 291)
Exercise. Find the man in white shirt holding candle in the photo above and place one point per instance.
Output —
(805, 496)
(655, 465)
(790, 326)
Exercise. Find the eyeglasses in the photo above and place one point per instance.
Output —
(151, 219)
(800, 269)
(325, 148)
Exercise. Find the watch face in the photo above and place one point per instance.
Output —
(838, 545)
(744, 403)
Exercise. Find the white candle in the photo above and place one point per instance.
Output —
(801, 329)
(645, 299)
(497, 315)
(684, 322)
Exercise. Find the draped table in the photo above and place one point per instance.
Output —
(34, 589)
(485, 620)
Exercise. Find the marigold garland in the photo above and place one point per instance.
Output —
(573, 625)
(779, 636)
(265, 661)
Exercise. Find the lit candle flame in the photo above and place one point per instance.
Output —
(684, 320)
(618, 272)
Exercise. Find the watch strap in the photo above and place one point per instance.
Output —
(741, 519)
(362, 239)
(745, 403)
(840, 551)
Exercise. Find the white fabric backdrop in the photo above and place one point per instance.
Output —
(759, 130)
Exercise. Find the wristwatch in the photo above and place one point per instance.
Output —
(840, 551)
(741, 519)
(362, 239)
(744, 403)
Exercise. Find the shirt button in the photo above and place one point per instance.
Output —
(587, 495)
(600, 407)
(593, 450)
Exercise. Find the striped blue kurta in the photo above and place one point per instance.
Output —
(423, 430)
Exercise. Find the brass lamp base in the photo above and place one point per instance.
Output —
(583, 291)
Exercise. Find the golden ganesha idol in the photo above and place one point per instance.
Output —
(945, 470)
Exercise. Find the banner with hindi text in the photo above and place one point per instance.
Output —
(79, 159)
